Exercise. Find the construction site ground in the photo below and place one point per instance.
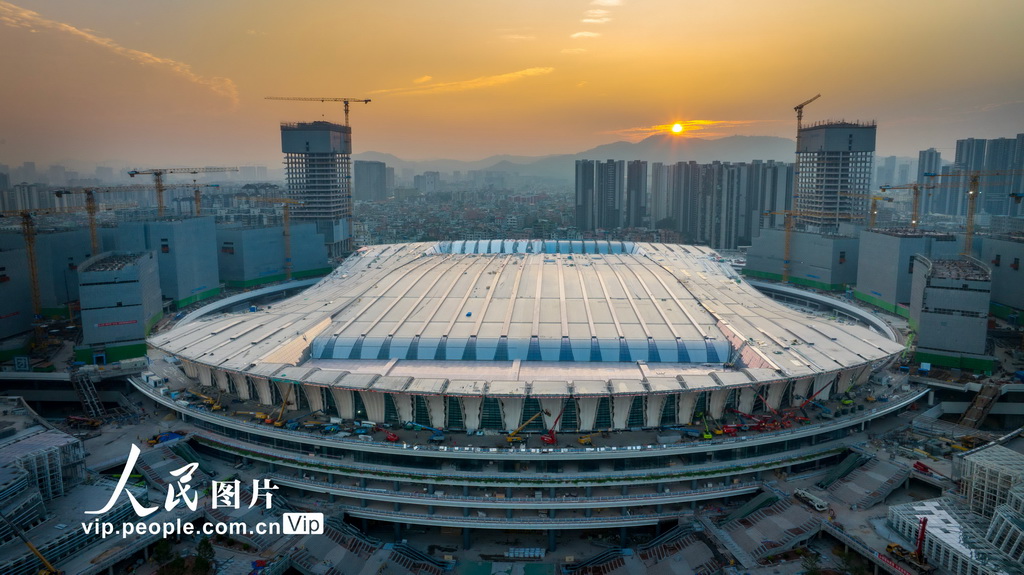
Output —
(109, 448)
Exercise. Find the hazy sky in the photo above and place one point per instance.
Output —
(182, 83)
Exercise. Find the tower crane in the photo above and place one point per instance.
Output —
(92, 207)
(286, 227)
(787, 246)
(799, 109)
(158, 179)
(973, 179)
(197, 196)
(346, 101)
(873, 214)
(916, 206)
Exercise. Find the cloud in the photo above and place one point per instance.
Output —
(17, 17)
(580, 35)
(573, 50)
(472, 84)
(518, 37)
(596, 16)
(606, 3)
(689, 126)
(422, 79)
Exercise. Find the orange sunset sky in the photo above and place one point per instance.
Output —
(164, 83)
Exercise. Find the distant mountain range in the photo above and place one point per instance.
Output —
(657, 148)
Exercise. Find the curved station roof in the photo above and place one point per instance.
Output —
(494, 316)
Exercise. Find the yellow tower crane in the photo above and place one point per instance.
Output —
(28, 231)
(285, 228)
(92, 207)
(788, 243)
(197, 196)
(873, 213)
(973, 183)
(346, 101)
(915, 211)
(158, 179)
(799, 109)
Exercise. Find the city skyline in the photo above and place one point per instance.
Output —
(152, 84)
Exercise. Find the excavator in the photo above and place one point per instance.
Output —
(514, 437)
(48, 568)
(550, 438)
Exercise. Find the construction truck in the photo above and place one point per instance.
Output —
(585, 440)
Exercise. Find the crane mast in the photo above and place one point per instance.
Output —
(286, 228)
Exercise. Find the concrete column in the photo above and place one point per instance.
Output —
(465, 538)
(430, 489)
(623, 537)
(362, 482)
(465, 491)
(508, 513)
(588, 490)
(465, 511)
(551, 540)
(588, 512)
(364, 503)
(508, 493)
(398, 532)
(625, 490)
(397, 507)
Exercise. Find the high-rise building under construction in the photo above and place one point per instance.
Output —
(318, 173)
(833, 174)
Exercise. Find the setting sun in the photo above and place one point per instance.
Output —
(677, 128)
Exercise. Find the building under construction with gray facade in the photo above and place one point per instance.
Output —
(318, 174)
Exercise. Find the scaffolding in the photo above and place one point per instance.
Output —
(988, 474)
(54, 460)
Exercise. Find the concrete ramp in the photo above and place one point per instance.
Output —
(870, 484)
